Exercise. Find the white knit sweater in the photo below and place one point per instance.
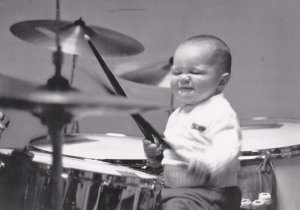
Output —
(208, 132)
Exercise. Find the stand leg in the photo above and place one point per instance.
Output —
(56, 134)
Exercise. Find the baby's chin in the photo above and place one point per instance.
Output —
(186, 100)
(189, 99)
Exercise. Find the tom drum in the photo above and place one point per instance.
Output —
(276, 141)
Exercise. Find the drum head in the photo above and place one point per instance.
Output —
(95, 146)
(270, 134)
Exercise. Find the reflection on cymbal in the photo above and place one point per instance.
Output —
(23, 96)
(155, 73)
(107, 42)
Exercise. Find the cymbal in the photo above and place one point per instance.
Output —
(148, 73)
(27, 97)
(107, 42)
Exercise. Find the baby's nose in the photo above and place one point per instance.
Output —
(184, 79)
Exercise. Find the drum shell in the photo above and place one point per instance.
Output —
(278, 139)
(255, 177)
(14, 175)
(84, 190)
(286, 188)
(88, 190)
(287, 173)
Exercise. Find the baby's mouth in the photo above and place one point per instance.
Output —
(181, 87)
(185, 90)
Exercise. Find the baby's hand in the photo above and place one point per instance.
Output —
(152, 150)
(199, 170)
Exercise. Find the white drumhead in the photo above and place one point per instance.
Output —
(97, 146)
(270, 134)
(257, 135)
(95, 166)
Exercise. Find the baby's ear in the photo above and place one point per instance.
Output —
(223, 81)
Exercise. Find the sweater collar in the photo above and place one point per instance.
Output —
(187, 107)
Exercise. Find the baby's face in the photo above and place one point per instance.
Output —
(195, 73)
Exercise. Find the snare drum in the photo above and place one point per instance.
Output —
(113, 148)
(278, 140)
(88, 184)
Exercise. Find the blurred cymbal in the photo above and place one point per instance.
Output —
(14, 84)
(107, 42)
(26, 97)
(148, 73)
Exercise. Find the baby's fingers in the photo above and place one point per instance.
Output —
(146, 142)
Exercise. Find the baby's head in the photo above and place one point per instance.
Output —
(201, 69)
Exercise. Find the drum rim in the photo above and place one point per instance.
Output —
(273, 153)
(127, 175)
(44, 137)
(272, 120)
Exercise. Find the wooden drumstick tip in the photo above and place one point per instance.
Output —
(86, 37)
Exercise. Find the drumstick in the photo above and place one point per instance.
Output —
(144, 126)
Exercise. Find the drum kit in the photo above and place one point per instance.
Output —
(53, 177)
(67, 171)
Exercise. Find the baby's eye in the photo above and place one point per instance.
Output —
(176, 71)
(197, 72)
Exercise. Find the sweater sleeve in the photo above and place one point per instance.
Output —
(225, 143)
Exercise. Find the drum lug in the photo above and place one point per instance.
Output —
(152, 186)
(107, 182)
(264, 165)
(2, 164)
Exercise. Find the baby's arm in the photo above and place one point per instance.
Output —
(199, 170)
(225, 144)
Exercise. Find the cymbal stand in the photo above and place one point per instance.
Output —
(74, 124)
(55, 120)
